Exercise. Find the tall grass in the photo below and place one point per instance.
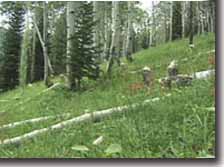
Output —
(179, 126)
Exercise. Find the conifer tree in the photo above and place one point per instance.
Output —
(176, 21)
(12, 48)
(58, 45)
(2, 37)
(84, 53)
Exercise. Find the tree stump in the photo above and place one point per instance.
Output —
(147, 76)
(172, 70)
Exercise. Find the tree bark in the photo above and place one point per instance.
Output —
(107, 31)
(25, 54)
(191, 24)
(129, 39)
(97, 20)
(45, 54)
(201, 18)
(45, 49)
(171, 20)
(198, 19)
(72, 7)
(114, 48)
(153, 29)
(213, 16)
(43, 41)
(177, 21)
(183, 19)
(32, 68)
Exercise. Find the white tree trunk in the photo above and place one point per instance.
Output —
(114, 48)
(211, 23)
(32, 68)
(43, 41)
(97, 19)
(23, 69)
(153, 28)
(201, 18)
(183, 19)
(129, 40)
(198, 19)
(124, 38)
(72, 7)
(171, 20)
(213, 17)
(208, 22)
(107, 31)
(45, 50)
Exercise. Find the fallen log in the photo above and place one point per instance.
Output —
(97, 115)
(203, 74)
(92, 116)
(33, 120)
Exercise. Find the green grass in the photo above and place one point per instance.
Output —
(178, 126)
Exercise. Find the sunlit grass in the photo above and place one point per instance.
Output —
(178, 126)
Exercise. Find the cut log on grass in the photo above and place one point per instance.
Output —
(98, 115)
(34, 120)
(204, 74)
(172, 69)
(147, 76)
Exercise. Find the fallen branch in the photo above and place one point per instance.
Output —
(34, 120)
(50, 88)
(80, 119)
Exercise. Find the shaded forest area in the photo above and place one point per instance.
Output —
(40, 40)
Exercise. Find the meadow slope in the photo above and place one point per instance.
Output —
(179, 126)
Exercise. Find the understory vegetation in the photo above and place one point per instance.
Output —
(181, 125)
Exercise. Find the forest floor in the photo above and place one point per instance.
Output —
(179, 126)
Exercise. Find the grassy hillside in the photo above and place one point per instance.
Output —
(181, 125)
